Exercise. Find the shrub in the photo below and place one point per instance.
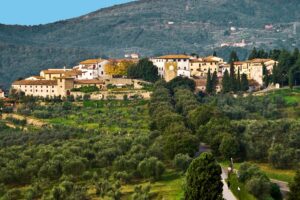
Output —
(259, 187)
(13, 194)
(73, 167)
(151, 168)
(182, 162)
(141, 193)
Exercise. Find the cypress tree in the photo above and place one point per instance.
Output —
(244, 83)
(291, 79)
(233, 86)
(253, 54)
(238, 81)
(209, 87)
(233, 57)
(215, 53)
(226, 82)
(275, 74)
(203, 180)
(214, 81)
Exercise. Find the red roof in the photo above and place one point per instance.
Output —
(35, 82)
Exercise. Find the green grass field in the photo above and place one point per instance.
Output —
(278, 174)
(170, 187)
(290, 96)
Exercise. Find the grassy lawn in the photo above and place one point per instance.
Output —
(278, 174)
(290, 96)
(243, 194)
(168, 188)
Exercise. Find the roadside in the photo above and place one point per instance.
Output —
(284, 186)
(227, 193)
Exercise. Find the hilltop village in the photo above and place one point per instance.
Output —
(103, 74)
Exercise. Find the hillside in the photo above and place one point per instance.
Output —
(148, 27)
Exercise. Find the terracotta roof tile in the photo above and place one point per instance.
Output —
(260, 60)
(62, 71)
(91, 61)
(35, 82)
(179, 56)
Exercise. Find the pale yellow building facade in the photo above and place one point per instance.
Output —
(254, 68)
(199, 67)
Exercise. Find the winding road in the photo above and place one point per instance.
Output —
(227, 194)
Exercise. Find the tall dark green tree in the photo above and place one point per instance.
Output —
(294, 193)
(233, 86)
(209, 86)
(226, 82)
(274, 54)
(215, 53)
(253, 54)
(276, 77)
(214, 81)
(238, 81)
(285, 64)
(203, 180)
(294, 76)
(233, 57)
(262, 54)
(244, 82)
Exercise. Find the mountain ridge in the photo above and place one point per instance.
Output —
(148, 27)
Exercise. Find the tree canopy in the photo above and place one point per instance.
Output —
(203, 180)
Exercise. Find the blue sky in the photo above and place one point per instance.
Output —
(32, 12)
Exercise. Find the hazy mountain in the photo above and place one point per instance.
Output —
(148, 27)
